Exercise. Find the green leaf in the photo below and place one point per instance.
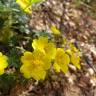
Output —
(7, 82)
(14, 58)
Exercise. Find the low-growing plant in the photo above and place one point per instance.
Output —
(27, 55)
(12, 20)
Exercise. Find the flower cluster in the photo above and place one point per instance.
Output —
(36, 63)
(46, 55)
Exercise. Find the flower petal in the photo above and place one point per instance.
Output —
(27, 57)
(25, 5)
(62, 60)
(26, 70)
(50, 50)
(3, 63)
(55, 30)
(75, 60)
(64, 68)
(56, 67)
(38, 74)
(40, 43)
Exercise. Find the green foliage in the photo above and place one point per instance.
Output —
(14, 58)
(7, 81)
(15, 33)
(43, 34)
(12, 20)
(80, 2)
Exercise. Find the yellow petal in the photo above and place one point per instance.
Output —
(69, 51)
(41, 57)
(25, 5)
(1, 54)
(28, 10)
(56, 67)
(27, 57)
(3, 61)
(64, 41)
(55, 30)
(50, 50)
(47, 64)
(64, 63)
(75, 60)
(26, 70)
(64, 68)
(40, 43)
(73, 48)
(38, 74)
(62, 59)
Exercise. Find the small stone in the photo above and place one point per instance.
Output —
(70, 80)
(72, 67)
(93, 81)
(90, 71)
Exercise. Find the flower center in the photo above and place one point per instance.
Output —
(37, 63)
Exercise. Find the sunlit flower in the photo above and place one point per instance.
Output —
(61, 61)
(40, 43)
(25, 5)
(55, 30)
(73, 48)
(3, 63)
(74, 57)
(45, 46)
(35, 64)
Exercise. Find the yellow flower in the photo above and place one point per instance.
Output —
(44, 46)
(3, 63)
(61, 61)
(25, 5)
(74, 57)
(35, 64)
(55, 30)
(73, 48)
(40, 43)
